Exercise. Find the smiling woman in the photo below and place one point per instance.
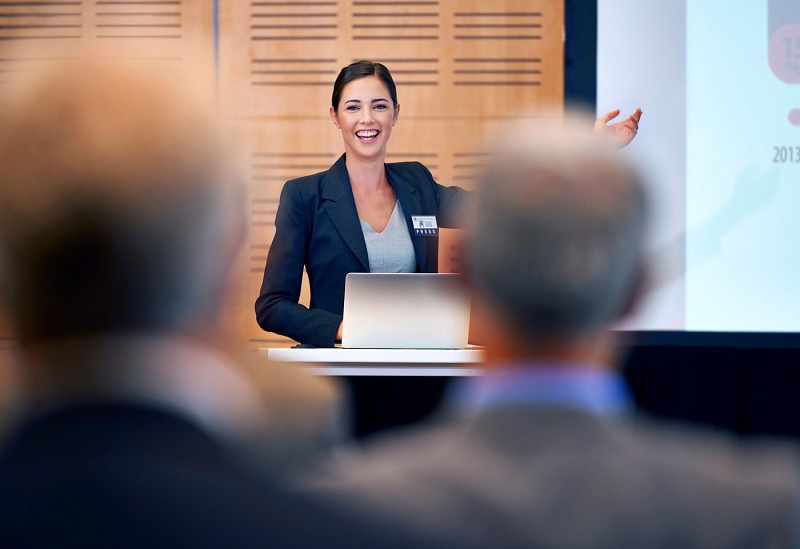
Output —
(360, 214)
(355, 217)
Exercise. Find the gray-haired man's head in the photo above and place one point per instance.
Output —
(555, 239)
(119, 203)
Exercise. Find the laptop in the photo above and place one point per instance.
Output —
(405, 311)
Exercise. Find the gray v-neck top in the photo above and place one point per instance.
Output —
(391, 250)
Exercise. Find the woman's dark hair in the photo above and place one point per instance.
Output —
(362, 69)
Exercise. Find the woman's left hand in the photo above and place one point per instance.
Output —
(620, 133)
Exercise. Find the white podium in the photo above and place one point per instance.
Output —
(382, 362)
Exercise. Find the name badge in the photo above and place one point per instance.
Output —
(425, 225)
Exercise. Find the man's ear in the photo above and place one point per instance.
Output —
(636, 293)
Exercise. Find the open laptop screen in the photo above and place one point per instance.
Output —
(405, 311)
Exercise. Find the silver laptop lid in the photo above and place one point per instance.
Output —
(405, 311)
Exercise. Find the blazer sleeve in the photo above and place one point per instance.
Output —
(277, 307)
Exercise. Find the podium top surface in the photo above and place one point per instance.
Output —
(382, 362)
(376, 356)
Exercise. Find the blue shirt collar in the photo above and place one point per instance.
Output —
(576, 386)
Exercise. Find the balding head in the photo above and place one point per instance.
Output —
(118, 201)
(555, 240)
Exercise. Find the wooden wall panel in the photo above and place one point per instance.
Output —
(458, 58)
(166, 30)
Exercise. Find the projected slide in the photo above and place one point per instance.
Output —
(724, 144)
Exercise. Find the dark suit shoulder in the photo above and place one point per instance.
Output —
(129, 475)
(414, 169)
(312, 183)
(589, 481)
(698, 450)
(332, 183)
(411, 164)
(304, 191)
(305, 185)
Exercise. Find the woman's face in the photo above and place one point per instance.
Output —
(365, 115)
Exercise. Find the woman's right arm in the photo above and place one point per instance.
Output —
(277, 307)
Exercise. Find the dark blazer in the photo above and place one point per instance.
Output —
(540, 476)
(317, 226)
(130, 475)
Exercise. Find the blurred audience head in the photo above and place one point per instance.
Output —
(120, 203)
(555, 241)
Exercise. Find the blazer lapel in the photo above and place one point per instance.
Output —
(410, 202)
(341, 207)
